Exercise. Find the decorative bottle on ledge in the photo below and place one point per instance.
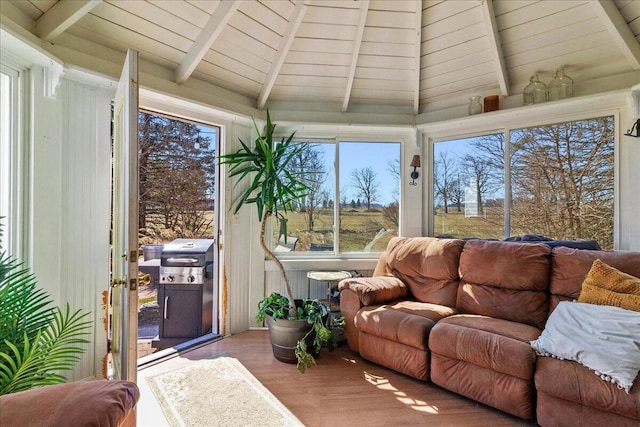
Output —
(535, 92)
(561, 86)
(475, 107)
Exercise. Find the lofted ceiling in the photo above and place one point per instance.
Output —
(388, 56)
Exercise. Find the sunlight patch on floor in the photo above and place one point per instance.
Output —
(383, 383)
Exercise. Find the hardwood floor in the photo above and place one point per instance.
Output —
(342, 390)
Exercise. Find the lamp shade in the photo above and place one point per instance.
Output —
(415, 162)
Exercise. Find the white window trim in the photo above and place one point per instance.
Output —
(293, 259)
(14, 181)
(583, 108)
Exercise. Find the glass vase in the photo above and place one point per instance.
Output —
(561, 86)
(475, 106)
(535, 92)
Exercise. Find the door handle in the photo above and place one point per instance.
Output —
(166, 307)
(118, 282)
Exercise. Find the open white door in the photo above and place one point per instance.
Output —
(124, 281)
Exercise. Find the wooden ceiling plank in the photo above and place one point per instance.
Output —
(417, 57)
(285, 44)
(110, 20)
(340, 59)
(61, 16)
(495, 46)
(619, 30)
(205, 39)
(355, 53)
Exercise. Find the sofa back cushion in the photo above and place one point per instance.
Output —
(506, 280)
(427, 265)
(571, 266)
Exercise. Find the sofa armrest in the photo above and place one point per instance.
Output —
(358, 292)
(375, 290)
(98, 403)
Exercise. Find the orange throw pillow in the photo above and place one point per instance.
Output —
(605, 285)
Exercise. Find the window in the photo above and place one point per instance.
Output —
(12, 173)
(5, 144)
(561, 183)
(469, 187)
(352, 183)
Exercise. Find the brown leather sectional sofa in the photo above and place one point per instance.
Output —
(462, 314)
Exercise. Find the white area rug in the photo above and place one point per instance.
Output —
(218, 392)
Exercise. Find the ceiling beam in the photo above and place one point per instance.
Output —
(495, 47)
(364, 8)
(61, 16)
(205, 39)
(417, 54)
(285, 44)
(619, 30)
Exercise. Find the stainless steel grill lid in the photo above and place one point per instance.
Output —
(187, 253)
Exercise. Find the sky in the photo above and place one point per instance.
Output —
(377, 155)
(354, 155)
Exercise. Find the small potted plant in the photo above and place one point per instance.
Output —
(293, 327)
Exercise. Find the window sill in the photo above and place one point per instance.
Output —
(324, 264)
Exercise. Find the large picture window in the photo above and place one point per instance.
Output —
(561, 183)
(352, 204)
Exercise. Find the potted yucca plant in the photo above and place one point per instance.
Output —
(293, 328)
(37, 340)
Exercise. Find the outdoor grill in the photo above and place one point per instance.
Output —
(185, 294)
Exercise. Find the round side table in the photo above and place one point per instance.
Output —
(329, 277)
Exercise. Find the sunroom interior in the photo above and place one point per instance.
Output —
(330, 71)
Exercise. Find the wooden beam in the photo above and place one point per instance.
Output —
(364, 8)
(495, 46)
(619, 30)
(61, 16)
(417, 55)
(205, 39)
(285, 44)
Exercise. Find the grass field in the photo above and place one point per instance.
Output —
(490, 225)
(358, 228)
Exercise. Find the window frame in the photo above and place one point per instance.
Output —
(324, 136)
(506, 121)
(14, 162)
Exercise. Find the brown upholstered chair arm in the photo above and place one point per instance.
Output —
(97, 403)
(375, 290)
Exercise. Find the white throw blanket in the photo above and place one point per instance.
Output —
(604, 339)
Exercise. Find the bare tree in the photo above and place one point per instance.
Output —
(177, 171)
(393, 166)
(366, 184)
(445, 178)
(344, 197)
(563, 180)
(391, 213)
(480, 174)
(309, 164)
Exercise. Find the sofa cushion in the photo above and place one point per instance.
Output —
(500, 345)
(428, 265)
(572, 382)
(605, 339)
(571, 266)
(82, 403)
(605, 285)
(406, 322)
(485, 359)
(506, 280)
